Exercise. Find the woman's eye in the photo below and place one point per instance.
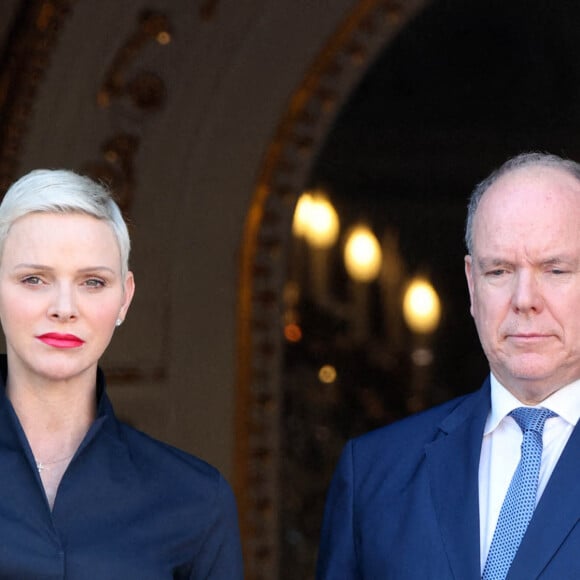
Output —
(94, 283)
(32, 281)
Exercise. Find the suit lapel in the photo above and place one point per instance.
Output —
(557, 513)
(453, 463)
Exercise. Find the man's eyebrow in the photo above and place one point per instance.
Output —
(486, 262)
(559, 260)
(492, 262)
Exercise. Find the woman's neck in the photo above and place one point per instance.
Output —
(55, 416)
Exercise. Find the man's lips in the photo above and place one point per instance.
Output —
(531, 337)
(61, 340)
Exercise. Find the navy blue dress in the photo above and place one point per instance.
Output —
(128, 507)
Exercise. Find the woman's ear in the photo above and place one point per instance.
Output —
(129, 291)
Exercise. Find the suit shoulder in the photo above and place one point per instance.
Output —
(412, 432)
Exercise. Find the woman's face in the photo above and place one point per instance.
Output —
(61, 293)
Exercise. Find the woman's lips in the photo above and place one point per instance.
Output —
(61, 340)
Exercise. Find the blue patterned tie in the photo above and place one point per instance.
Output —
(520, 500)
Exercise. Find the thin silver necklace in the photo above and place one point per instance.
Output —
(45, 465)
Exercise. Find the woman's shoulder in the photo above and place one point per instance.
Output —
(155, 457)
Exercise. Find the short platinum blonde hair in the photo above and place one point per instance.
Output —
(63, 191)
(531, 159)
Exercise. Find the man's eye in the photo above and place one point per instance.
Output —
(497, 272)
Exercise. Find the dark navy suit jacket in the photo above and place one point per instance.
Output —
(128, 508)
(404, 504)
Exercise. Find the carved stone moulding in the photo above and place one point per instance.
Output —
(312, 109)
(34, 35)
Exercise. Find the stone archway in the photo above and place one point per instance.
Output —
(301, 131)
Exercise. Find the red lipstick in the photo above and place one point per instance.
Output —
(59, 340)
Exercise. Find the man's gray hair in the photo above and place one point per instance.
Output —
(517, 162)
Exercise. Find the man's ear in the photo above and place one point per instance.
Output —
(469, 277)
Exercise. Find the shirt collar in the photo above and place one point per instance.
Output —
(565, 402)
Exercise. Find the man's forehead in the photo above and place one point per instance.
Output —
(535, 178)
(529, 188)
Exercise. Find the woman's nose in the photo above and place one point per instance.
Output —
(63, 306)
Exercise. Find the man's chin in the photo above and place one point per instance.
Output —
(531, 385)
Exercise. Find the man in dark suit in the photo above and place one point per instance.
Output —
(422, 498)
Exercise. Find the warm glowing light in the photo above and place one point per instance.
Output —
(362, 254)
(164, 38)
(316, 219)
(421, 306)
(324, 224)
(327, 374)
(292, 332)
(301, 220)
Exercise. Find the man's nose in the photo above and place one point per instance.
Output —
(527, 295)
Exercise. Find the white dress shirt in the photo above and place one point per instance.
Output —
(500, 450)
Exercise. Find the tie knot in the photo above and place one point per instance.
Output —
(532, 418)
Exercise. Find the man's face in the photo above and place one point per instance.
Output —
(524, 280)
